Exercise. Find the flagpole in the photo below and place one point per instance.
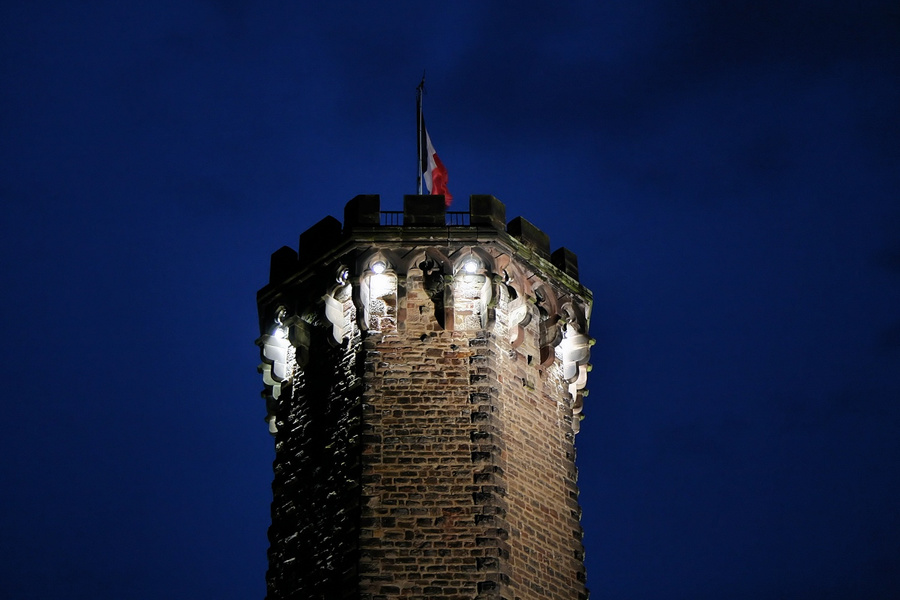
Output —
(420, 90)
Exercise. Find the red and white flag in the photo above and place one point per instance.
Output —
(433, 170)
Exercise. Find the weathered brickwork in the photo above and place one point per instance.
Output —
(547, 561)
(431, 506)
(424, 397)
(315, 508)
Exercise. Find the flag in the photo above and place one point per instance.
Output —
(432, 169)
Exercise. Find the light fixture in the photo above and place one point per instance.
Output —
(378, 267)
(470, 266)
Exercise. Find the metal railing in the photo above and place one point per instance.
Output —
(458, 218)
(394, 218)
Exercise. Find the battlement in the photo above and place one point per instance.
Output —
(424, 211)
(425, 218)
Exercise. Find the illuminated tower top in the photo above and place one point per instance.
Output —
(425, 375)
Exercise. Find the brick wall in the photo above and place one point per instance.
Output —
(315, 507)
(546, 552)
(419, 533)
(468, 466)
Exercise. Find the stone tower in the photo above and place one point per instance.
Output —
(424, 377)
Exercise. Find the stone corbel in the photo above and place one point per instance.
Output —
(520, 313)
(550, 329)
(274, 368)
(576, 344)
(576, 350)
(577, 406)
(336, 311)
(287, 345)
(273, 350)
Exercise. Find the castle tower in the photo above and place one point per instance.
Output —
(424, 377)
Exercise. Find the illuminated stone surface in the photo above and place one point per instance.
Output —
(424, 411)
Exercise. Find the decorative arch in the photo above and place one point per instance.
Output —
(378, 285)
(473, 288)
(435, 268)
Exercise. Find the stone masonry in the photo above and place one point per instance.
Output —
(424, 375)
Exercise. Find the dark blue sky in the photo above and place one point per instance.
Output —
(727, 172)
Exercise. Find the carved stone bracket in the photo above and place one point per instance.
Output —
(274, 369)
(520, 312)
(550, 330)
(338, 313)
(286, 346)
(575, 348)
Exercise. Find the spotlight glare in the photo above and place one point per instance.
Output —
(470, 266)
(378, 267)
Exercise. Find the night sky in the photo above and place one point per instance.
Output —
(728, 174)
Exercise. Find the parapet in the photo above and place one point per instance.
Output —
(363, 216)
